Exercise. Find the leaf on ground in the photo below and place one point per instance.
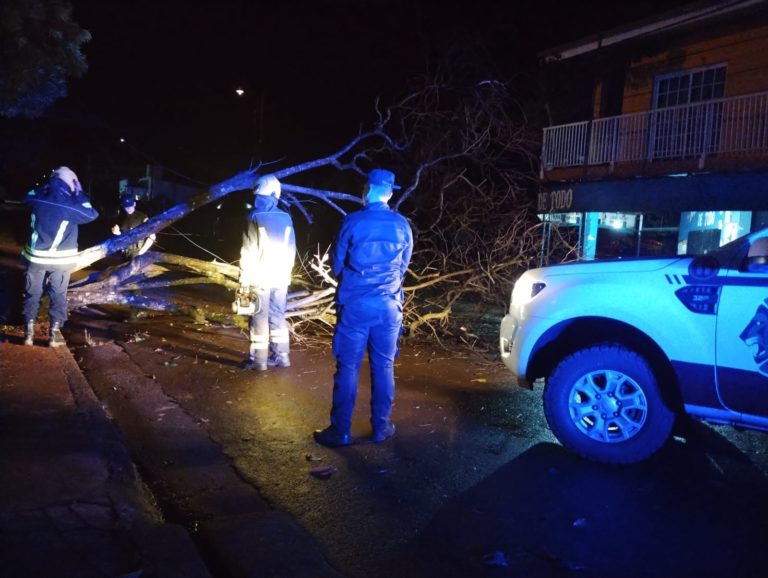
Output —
(497, 559)
(323, 472)
(562, 562)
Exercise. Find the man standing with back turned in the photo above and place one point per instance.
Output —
(370, 258)
(266, 262)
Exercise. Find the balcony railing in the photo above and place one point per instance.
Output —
(722, 126)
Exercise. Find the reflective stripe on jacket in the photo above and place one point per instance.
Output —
(56, 214)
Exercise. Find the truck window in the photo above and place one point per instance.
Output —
(757, 258)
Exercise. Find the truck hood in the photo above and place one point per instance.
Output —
(613, 266)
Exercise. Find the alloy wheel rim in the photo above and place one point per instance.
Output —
(608, 406)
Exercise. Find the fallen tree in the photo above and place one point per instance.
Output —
(469, 155)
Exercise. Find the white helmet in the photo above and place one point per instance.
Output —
(268, 185)
(68, 176)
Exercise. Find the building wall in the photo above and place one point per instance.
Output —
(745, 53)
(636, 230)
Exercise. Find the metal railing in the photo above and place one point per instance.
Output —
(723, 126)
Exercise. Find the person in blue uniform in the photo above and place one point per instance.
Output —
(58, 207)
(369, 258)
(267, 256)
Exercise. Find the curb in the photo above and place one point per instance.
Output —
(237, 532)
(167, 548)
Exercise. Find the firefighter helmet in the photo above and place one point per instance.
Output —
(68, 176)
(268, 185)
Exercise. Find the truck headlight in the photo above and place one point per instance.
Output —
(525, 290)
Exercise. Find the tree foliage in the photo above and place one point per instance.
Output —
(39, 52)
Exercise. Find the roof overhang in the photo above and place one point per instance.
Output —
(669, 21)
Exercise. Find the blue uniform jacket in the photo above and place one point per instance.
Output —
(269, 246)
(372, 253)
(56, 213)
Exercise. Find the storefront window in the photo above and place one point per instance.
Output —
(604, 235)
(702, 231)
(561, 237)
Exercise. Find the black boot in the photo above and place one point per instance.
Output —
(331, 437)
(29, 333)
(56, 337)
(383, 433)
(254, 365)
(279, 360)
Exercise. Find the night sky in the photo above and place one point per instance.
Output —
(163, 73)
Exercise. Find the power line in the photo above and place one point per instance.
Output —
(187, 237)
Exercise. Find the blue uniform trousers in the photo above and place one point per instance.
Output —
(373, 325)
(55, 283)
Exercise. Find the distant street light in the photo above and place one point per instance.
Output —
(239, 91)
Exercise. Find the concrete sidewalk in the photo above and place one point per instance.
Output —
(71, 501)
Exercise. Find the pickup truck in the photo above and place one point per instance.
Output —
(625, 346)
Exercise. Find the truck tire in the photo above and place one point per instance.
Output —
(604, 404)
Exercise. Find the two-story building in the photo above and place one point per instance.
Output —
(657, 141)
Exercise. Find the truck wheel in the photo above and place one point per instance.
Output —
(604, 404)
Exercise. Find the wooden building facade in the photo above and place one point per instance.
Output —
(658, 142)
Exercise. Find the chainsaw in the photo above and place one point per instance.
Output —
(246, 301)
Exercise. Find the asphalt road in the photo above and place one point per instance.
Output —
(473, 483)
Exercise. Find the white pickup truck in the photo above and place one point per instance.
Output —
(624, 346)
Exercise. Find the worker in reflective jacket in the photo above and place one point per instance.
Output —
(58, 207)
(266, 261)
(370, 258)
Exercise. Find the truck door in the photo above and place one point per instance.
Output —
(741, 339)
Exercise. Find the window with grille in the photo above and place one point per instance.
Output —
(687, 116)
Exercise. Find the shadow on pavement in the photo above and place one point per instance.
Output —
(698, 508)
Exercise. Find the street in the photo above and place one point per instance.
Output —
(473, 483)
(577, 190)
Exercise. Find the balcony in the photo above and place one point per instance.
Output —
(717, 134)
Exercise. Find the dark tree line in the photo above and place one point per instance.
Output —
(39, 53)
